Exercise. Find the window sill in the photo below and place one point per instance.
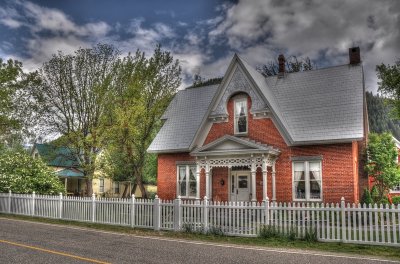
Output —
(241, 134)
(308, 201)
(187, 198)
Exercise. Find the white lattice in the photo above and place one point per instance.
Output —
(236, 162)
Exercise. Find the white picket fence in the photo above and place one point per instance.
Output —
(342, 222)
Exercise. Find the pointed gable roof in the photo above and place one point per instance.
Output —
(315, 107)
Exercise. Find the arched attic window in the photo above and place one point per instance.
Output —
(241, 114)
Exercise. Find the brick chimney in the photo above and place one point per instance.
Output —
(281, 61)
(354, 55)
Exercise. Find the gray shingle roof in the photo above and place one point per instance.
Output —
(183, 118)
(319, 106)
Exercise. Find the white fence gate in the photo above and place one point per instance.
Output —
(361, 224)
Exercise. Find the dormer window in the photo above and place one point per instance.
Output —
(241, 116)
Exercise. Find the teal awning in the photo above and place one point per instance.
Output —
(70, 173)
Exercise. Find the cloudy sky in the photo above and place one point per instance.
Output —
(204, 35)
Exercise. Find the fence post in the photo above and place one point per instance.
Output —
(343, 215)
(60, 205)
(177, 213)
(205, 214)
(133, 210)
(266, 204)
(157, 213)
(9, 201)
(93, 207)
(33, 203)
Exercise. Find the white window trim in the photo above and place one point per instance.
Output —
(241, 99)
(307, 181)
(101, 179)
(116, 183)
(187, 181)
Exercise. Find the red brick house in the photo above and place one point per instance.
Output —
(290, 137)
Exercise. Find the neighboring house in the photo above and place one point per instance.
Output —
(66, 165)
(290, 137)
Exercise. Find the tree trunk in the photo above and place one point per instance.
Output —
(125, 193)
(89, 187)
(139, 183)
(142, 188)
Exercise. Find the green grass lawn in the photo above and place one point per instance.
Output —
(280, 242)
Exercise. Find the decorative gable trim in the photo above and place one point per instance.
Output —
(230, 145)
(238, 83)
(265, 111)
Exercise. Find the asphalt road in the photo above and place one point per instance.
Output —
(31, 242)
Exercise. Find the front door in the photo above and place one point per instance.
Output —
(240, 186)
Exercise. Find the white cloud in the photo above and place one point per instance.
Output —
(9, 22)
(63, 33)
(318, 29)
(38, 19)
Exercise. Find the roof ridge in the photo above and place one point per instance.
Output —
(314, 70)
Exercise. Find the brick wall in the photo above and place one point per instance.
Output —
(340, 171)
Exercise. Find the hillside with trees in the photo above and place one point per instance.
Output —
(379, 116)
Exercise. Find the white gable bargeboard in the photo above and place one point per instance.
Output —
(238, 83)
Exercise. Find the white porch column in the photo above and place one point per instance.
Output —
(208, 181)
(198, 169)
(66, 184)
(253, 182)
(211, 176)
(273, 183)
(265, 179)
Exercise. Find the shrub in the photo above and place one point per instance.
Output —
(292, 234)
(383, 201)
(311, 235)
(269, 231)
(366, 197)
(192, 228)
(375, 194)
(396, 200)
(21, 173)
(151, 195)
(215, 231)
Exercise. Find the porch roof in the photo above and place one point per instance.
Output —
(230, 145)
(71, 172)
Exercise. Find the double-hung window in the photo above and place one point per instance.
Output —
(187, 183)
(101, 186)
(307, 181)
(116, 187)
(241, 115)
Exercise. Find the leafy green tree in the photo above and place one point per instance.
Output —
(10, 79)
(382, 163)
(143, 88)
(21, 173)
(389, 85)
(71, 94)
(292, 64)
